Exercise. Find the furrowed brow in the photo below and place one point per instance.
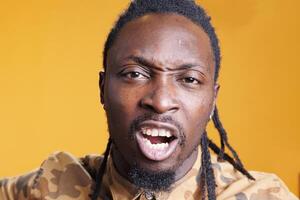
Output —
(189, 66)
(147, 63)
(142, 61)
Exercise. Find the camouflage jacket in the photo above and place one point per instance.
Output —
(64, 177)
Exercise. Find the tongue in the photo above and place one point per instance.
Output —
(156, 139)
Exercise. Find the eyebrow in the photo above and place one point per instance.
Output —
(147, 63)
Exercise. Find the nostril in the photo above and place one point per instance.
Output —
(174, 109)
(161, 105)
(149, 107)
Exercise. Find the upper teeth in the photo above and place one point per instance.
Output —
(157, 132)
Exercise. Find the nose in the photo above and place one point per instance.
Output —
(160, 99)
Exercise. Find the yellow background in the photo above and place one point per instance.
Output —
(51, 54)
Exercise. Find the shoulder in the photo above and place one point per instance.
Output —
(265, 186)
(17, 187)
(67, 163)
(60, 174)
(66, 175)
(233, 185)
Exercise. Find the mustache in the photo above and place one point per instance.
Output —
(160, 118)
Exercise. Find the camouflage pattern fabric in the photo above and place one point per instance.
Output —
(64, 177)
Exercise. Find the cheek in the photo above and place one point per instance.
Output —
(121, 105)
(198, 106)
(197, 109)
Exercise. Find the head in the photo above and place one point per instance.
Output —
(159, 89)
(159, 77)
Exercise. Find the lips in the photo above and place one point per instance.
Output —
(156, 140)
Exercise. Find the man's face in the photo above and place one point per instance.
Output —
(158, 91)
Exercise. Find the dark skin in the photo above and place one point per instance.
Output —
(160, 64)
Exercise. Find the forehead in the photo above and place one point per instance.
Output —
(162, 38)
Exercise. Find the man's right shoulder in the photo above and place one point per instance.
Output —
(59, 169)
(17, 187)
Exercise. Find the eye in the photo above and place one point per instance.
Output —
(190, 80)
(134, 75)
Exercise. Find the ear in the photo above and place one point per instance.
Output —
(216, 92)
(101, 86)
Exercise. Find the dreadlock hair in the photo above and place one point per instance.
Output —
(101, 171)
(192, 11)
(207, 179)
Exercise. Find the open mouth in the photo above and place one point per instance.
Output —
(157, 141)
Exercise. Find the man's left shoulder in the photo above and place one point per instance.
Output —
(235, 186)
(266, 186)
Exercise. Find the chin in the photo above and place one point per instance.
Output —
(171, 163)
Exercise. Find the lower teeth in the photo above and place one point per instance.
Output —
(158, 146)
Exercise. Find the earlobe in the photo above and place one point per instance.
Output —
(212, 112)
(101, 87)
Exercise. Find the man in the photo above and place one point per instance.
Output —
(158, 88)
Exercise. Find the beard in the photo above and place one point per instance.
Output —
(151, 180)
